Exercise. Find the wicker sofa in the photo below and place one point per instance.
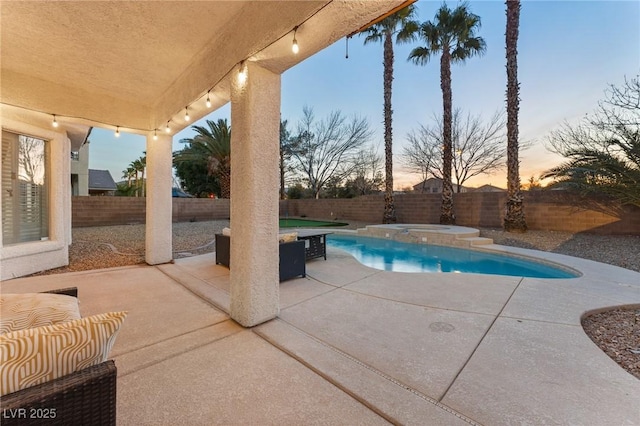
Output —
(292, 256)
(86, 397)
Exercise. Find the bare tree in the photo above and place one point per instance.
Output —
(478, 147)
(603, 151)
(287, 144)
(328, 148)
(367, 177)
(31, 154)
(419, 157)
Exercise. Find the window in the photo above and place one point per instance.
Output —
(75, 156)
(25, 194)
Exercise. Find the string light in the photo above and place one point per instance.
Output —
(294, 47)
(155, 135)
(242, 75)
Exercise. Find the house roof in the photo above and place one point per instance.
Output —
(101, 180)
(137, 65)
(488, 188)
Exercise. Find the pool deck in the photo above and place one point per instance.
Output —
(354, 345)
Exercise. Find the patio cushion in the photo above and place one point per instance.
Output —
(287, 238)
(29, 310)
(37, 355)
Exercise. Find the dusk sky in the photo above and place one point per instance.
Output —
(568, 53)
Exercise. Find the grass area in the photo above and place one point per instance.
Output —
(304, 223)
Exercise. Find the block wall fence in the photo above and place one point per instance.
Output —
(104, 211)
(544, 210)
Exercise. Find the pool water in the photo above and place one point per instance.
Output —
(389, 255)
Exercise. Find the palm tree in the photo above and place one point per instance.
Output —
(139, 166)
(128, 174)
(213, 145)
(402, 26)
(452, 35)
(514, 218)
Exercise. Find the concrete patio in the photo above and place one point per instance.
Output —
(354, 345)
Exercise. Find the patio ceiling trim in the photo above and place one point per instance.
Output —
(382, 17)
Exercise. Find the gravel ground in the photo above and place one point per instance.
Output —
(619, 250)
(616, 332)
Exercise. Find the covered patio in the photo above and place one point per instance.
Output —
(354, 345)
(345, 345)
(153, 68)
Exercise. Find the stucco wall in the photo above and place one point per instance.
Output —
(545, 210)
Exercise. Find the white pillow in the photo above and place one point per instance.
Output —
(28, 310)
(226, 232)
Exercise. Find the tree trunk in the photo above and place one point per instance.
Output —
(283, 195)
(447, 217)
(389, 206)
(224, 178)
(514, 220)
(143, 183)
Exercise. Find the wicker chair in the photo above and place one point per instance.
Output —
(292, 256)
(86, 397)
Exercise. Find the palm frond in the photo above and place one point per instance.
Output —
(420, 55)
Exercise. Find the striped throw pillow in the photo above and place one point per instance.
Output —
(37, 355)
(29, 310)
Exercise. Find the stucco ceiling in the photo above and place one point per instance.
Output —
(137, 64)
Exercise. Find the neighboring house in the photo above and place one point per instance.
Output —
(179, 193)
(101, 183)
(80, 170)
(434, 186)
(487, 188)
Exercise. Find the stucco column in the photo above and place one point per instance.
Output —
(158, 247)
(255, 147)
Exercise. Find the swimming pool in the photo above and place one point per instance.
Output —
(390, 255)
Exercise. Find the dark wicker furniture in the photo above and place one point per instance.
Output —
(86, 397)
(292, 256)
(315, 243)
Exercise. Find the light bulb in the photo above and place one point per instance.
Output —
(208, 101)
(242, 75)
(117, 131)
(167, 129)
(54, 123)
(186, 114)
(294, 47)
(155, 135)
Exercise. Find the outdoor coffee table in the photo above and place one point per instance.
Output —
(315, 243)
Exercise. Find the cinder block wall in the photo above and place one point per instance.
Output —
(544, 210)
(101, 211)
(367, 209)
(199, 209)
